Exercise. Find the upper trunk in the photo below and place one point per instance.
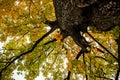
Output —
(67, 13)
(74, 16)
(102, 14)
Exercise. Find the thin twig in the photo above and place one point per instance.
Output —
(85, 66)
(117, 75)
(100, 50)
(79, 54)
(103, 77)
(100, 58)
(32, 62)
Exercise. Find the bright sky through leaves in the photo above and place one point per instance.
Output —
(24, 46)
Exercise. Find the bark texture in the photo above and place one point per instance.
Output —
(74, 16)
(106, 15)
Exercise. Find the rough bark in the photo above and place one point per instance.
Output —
(104, 14)
(69, 21)
(107, 15)
(74, 16)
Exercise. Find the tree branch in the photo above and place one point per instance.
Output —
(102, 46)
(100, 58)
(77, 57)
(51, 23)
(100, 50)
(117, 74)
(32, 62)
(85, 66)
(103, 77)
(79, 54)
(68, 76)
(36, 43)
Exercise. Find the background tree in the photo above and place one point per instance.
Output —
(46, 36)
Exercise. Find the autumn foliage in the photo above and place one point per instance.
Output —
(32, 47)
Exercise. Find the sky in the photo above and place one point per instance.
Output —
(21, 77)
(1, 44)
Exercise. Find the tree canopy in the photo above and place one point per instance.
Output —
(63, 39)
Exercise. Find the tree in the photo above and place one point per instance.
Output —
(32, 47)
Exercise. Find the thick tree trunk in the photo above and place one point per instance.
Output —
(69, 18)
(104, 14)
(74, 16)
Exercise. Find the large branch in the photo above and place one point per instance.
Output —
(102, 46)
(33, 47)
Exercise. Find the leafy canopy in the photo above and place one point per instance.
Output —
(22, 23)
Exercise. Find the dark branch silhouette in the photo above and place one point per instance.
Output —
(117, 59)
(74, 16)
(100, 58)
(117, 74)
(77, 57)
(100, 50)
(103, 77)
(79, 54)
(68, 76)
(33, 47)
(102, 46)
(85, 66)
(38, 57)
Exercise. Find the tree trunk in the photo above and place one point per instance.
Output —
(74, 16)
(103, 14)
